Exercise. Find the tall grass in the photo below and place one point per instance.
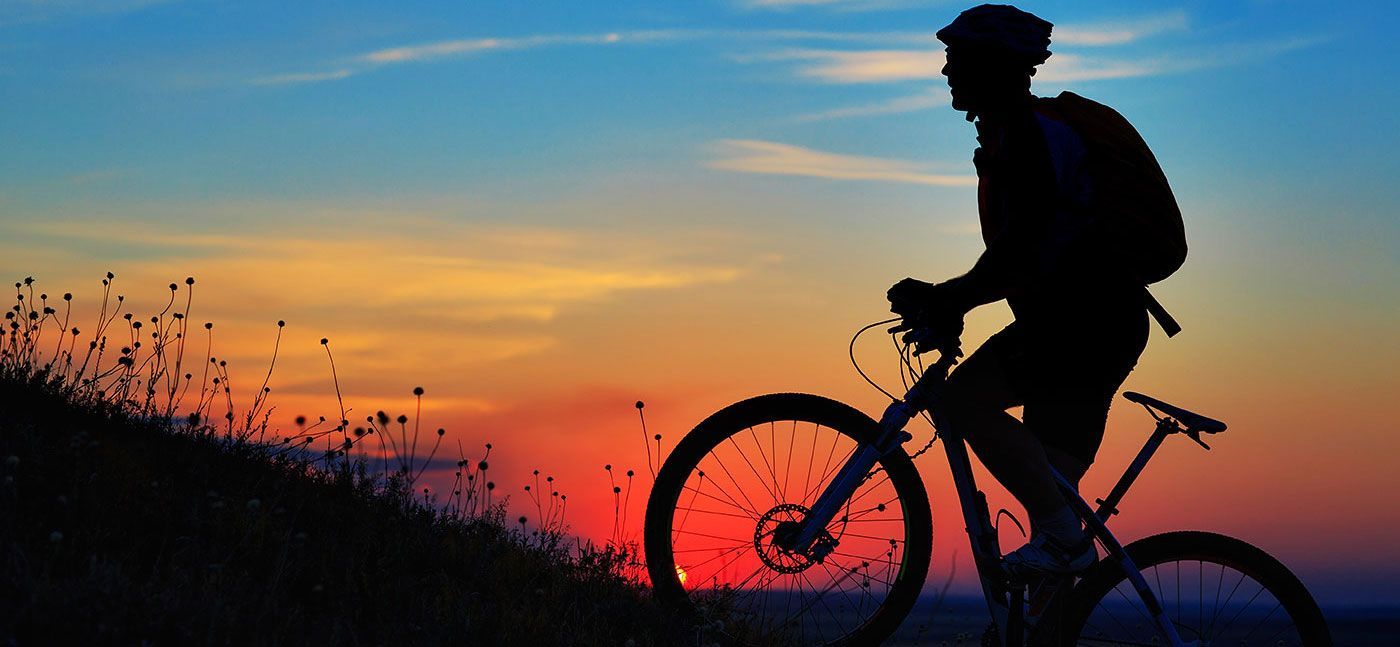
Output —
(146, 503)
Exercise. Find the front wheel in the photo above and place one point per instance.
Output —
(1215, 589)
(745, 478)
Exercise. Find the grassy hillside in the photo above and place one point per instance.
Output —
(117, 529)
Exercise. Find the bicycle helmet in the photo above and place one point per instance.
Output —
(1004, 29)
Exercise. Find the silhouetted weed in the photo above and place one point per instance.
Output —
(143, 504)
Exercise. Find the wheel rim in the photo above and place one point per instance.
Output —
(742, 499)
(1210, 602)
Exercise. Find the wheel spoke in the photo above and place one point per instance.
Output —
(722, 523)
(727, 500)
(753, 469)
(752, 508)
(1238, 616)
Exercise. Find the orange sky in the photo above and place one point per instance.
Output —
(543, 214)
(540, 340)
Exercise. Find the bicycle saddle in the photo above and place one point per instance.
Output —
(1193, 421)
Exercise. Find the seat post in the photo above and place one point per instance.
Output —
(1108, 506)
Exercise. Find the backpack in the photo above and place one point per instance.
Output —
(1132, 200)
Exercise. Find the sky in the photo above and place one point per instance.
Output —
(543, 212)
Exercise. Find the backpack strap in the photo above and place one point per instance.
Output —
(1164, 318)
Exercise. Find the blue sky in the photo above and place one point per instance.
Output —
(308, 99)
(693, 202)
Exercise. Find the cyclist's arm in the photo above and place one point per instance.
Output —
(1016, 256)
(1005, 267)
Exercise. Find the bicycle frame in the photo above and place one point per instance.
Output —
(1004, 594)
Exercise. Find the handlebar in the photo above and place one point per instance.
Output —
(925, 339)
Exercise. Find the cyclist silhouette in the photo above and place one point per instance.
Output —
(1080, 311)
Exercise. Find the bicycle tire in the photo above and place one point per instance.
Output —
(1200, 549)
(662, 505)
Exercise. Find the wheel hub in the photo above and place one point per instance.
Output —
(775, 538)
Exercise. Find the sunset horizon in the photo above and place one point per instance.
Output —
(553, 218)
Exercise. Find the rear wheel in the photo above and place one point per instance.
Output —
(1217, 590)
(746, 477)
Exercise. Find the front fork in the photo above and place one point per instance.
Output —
(852, 474)
(890, 437)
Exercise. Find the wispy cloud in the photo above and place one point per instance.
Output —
(862, 66)
(756, 156)
(462, 272)
(469, 46)
(899, 65)
(1073, 67)
(891, 56)
(1119, 32)
(464, 47)
(303, 77)
(889, 66)
(890, 61)
(898, 105)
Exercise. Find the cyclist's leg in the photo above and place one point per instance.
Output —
(1067, 402)
(977, 395)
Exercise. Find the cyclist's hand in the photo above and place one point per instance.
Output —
(910, 296)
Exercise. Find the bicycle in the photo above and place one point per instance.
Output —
(841, 557)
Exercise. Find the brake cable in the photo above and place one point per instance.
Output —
(906, 373)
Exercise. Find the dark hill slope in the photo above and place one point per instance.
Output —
(117, 531)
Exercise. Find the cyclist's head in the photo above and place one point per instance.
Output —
(992, 51)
